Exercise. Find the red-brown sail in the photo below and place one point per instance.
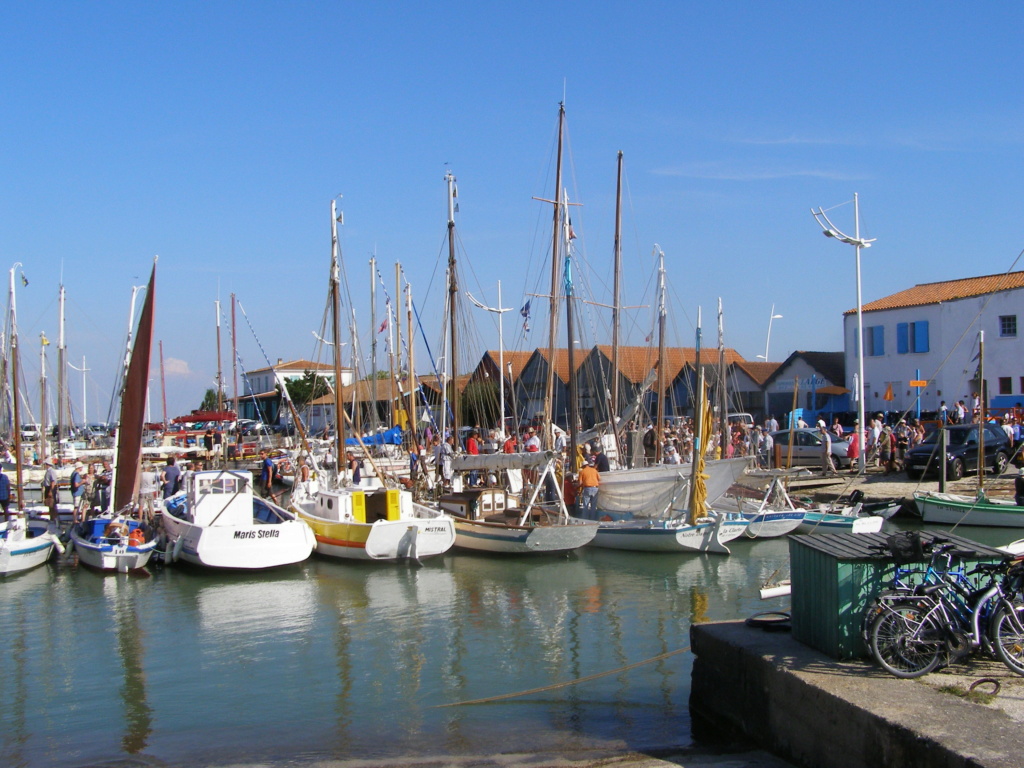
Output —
(133, 405)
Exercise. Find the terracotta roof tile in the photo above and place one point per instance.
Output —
(758, 371)
(636, 362)
(948, 290)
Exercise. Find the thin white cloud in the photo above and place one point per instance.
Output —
(715, 172)
(175, 367)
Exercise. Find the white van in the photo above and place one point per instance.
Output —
(741, 418)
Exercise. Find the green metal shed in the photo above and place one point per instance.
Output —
(834, 576)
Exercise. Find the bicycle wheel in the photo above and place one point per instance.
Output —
(906, 641)
(1008, 637)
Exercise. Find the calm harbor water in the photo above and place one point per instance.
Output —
(347, 661)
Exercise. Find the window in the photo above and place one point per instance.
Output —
(1005, 385)
(874, 341)
(1008, 326)
(912, 337)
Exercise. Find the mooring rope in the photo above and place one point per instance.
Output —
(556, 686)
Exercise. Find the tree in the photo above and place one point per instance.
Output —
(307, 389)
(209, 400)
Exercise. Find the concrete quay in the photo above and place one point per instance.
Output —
(814, 711)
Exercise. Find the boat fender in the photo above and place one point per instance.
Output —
(176, 549)
(61, 549)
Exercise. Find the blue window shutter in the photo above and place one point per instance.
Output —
(902, 341)
(921, 336)
(879, 340)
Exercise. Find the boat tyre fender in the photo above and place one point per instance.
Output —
(770, 621)
(176, 548)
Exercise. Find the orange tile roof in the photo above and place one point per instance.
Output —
(948, 290)
(636, 362)
(517, 360)
(561, 363)
(758, 371)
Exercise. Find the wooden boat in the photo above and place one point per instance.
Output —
(217, 522)
(774, 515)
(364, 523)
(25, 544)
(491, 520)
(374, 524)
(954, 509)
(114, 541)
(663, 528)
(979, 510)
(817, 520)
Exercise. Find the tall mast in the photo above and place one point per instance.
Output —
(574, 405)
(662, 362)
(63, 408)
(549, 389)
(163, 385)
(373, 337)
(220, 375)
(616, 298)
(699, 428)
(453, 290)
(413, 432)
(397, 351)
(43, 430)
(15, 373)
(339, 402)
(723, 402)
(234, 358)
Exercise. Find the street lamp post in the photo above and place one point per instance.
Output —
(771, 317)
(830, 230)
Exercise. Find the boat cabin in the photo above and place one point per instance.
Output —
(221, 497)
(480, 503)
(360, 506)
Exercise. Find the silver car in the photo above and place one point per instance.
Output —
(807, 448)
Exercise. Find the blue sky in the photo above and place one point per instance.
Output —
(215, 134)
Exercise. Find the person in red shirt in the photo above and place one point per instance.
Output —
(473, 449)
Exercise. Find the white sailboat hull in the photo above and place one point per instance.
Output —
(951, 509)
(252, 547)
(823, 522)
(20, 553)
(404, 539)
(483, 536)
(668, 535)
(110, 555)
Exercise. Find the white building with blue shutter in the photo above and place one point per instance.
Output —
(930, 332)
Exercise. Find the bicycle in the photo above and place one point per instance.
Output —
(913, 634)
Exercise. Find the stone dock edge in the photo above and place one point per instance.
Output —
(815, 711)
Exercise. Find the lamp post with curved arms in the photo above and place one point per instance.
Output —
(771, 317)
(858, 242)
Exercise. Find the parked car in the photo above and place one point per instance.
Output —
(807, 447)
(962, 442)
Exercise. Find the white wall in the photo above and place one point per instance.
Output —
(947, 365)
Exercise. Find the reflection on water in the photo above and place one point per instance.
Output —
(337, 660)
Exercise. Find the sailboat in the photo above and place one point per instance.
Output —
(363, 523)
(115, 540)
(662, 529)
(979, 510)
(24, 543)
